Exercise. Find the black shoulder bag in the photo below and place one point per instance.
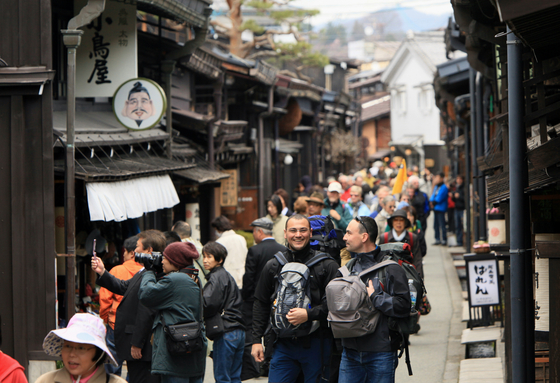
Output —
(184, 338)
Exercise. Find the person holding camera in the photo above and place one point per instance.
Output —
(133, 320)
(178, 300)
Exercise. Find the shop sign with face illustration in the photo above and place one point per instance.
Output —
(139, 104)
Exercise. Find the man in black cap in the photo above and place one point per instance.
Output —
(257, 257)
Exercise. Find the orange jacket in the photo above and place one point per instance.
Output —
(108, 302)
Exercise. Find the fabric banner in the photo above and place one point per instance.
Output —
(122, 200)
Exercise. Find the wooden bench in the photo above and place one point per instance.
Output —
(487, 370)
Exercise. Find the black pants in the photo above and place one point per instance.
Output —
(139, 372)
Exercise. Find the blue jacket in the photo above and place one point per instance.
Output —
(439, 197)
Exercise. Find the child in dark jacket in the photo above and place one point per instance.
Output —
(222, 314)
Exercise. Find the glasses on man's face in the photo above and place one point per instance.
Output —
(354, 195)
(78, 350)
(391, 207)
(359, 219)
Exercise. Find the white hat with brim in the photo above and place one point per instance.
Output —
(82, 328)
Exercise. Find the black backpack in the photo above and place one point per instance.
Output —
(325, 237)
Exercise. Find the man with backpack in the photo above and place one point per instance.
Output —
(290, 296)
(373, 357)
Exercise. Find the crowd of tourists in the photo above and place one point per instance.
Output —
(274, 308)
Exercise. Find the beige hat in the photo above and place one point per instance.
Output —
(335, 187)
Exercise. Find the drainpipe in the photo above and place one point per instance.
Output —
(458, 108)
(218, 85)
(72, 38)
(262, 116)
(480, 180)
(522, 325)
(167, 67)
(474, 167)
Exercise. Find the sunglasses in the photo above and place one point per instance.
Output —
(359, 219)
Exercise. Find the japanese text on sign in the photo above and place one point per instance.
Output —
(483, 282)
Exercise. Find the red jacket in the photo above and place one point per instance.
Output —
(108, 302)
(10, 370)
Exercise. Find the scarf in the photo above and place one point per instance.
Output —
(399, 238)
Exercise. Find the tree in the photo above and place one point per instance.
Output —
(290, 21)
(358, 31)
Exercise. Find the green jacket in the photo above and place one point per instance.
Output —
(345, 215)
(177, 297)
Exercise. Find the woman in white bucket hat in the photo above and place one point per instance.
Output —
(83, 350)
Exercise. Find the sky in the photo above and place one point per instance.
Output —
(332, 10)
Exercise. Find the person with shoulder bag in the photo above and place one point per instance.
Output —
(178, 299)
(222, 315)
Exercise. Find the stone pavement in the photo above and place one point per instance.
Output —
(436, 352)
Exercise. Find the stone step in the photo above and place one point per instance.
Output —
(487, 370)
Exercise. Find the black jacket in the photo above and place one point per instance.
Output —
(420, 203)
(459, 202)
(221, 295)
(257, 257)
(133, 321)
(320, 275)
(394, 301)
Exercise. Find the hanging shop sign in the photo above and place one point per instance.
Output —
(228, 195)
(139, 104)
(192, 213)
(107, 55)
(483, 279)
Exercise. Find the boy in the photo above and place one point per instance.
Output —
(222, 314)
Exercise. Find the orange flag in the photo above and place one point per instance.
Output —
(401, 179)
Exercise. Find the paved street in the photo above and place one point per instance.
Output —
(436, 351)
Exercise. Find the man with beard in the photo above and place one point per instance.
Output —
(309, 353)
(335, 208)
(139, 105)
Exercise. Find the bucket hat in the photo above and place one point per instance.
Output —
(399, 213)
(317, 198)
(82, 328)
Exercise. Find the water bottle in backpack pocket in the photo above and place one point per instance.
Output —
(293, 291)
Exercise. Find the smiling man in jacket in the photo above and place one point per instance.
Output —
(309, 353)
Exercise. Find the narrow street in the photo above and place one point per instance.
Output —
(436, 351)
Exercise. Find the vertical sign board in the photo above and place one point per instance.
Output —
(228, 195)
(482, 279)
(107, 55)
(193, 219)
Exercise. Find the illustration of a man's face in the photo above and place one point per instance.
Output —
(139, 106)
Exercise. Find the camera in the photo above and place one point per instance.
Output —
(151, 261)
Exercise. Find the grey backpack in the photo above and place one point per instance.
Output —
(351, 311)
(293, 291)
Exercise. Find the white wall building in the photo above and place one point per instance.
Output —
(415, 119)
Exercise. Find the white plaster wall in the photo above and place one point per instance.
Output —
(414, 120)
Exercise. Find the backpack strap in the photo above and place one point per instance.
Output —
(350, 265)
(281, 258)
(344, 271)
(316, 259)
(378, 266)
(411, 240)
(386, 237)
